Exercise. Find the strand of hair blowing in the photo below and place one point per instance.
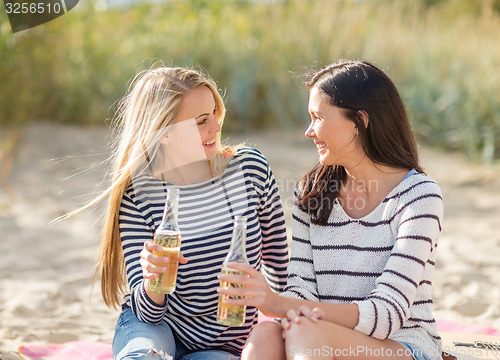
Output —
(146, 88)
(110, 258)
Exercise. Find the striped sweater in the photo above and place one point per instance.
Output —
(206, 212)
(383, 262)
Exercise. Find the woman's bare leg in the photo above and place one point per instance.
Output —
(325, 340)
(265, 343)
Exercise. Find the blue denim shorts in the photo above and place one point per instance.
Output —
(136, 340)
(415, 351)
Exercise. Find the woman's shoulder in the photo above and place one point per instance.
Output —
(246, 154)
(143, 185)
(248, 151)
(418, 188)
(421, 183)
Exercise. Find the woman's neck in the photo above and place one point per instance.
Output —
(366, 185)
(188, 174)
(365, 171)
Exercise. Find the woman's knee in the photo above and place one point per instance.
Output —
(134, 339)
(144, 349)
(265, 342)
(306, 332)
(143, 354)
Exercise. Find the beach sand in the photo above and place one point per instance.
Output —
(46, 270)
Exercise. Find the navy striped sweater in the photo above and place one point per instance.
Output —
(383, 262)
(206, 212)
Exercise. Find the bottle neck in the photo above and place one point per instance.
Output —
(169, 219)
(237, 250)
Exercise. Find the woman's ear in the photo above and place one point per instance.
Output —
(164, 140)
(363, 116)
(164, 137)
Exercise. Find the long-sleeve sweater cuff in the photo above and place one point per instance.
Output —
(367, 317)
(152, 312)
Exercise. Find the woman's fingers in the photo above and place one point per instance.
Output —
(243, 285)
(242, 296)
(238, 279)
(309, 313)
(148, 254)
(293, 316)
(153, 264)
(253, 279)
(320, 314)
(247, 269)
(182, 259)
(285, 325)
(151, 271)
(241, 289)
(250, 290)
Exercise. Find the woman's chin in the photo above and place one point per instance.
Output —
(210, 154)
(324, 160)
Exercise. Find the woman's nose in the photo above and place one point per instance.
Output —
(214, 125)
(309, 131)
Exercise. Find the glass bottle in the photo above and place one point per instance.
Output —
(169, 237)
(233, 315)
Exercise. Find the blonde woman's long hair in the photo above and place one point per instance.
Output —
(151, 104)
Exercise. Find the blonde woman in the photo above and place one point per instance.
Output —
(169, 128)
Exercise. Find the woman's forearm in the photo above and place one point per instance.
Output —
(346, 315)
(254, 291)
(157, 298)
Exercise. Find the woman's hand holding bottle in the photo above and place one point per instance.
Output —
(254, 290)
(152, 265)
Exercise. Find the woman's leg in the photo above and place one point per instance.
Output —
(136, 340)
(210, 355)
(326, 340)
(265, 343)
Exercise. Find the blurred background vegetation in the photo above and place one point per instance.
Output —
(444, 56)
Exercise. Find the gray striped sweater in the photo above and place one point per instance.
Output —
(206, 212)
(383, 262)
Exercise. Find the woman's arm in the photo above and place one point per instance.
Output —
(418, 223)
(301, 289)
(256, 292)
(274, 240)
(134, 232)
(302, 282)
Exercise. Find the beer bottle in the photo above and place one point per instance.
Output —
(169, 237)
(233, 315)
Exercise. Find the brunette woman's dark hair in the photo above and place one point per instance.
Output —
(356, 87)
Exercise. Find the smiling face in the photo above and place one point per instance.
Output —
(199, 104)
(334, 134)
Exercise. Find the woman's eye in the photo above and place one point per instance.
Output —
(202, 122)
